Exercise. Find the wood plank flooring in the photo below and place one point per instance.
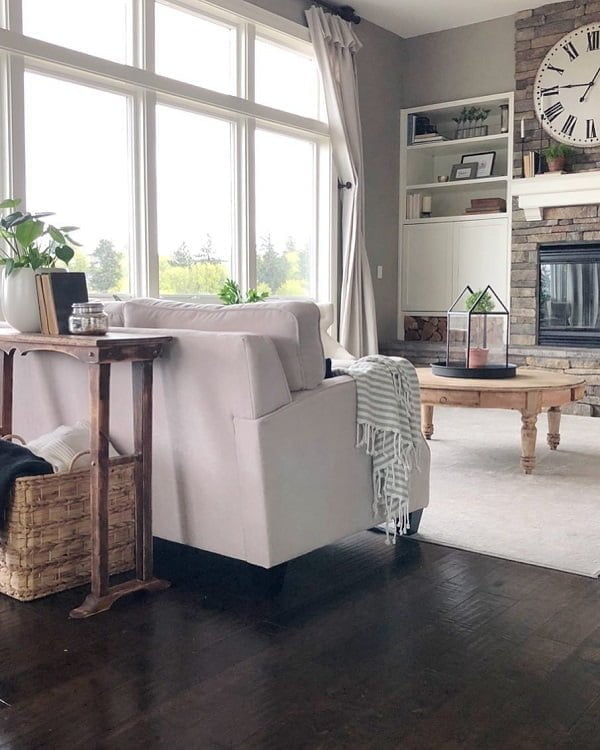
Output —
(367, 646)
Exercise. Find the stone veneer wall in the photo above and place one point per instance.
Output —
(536, 32)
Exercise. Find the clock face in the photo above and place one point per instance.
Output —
(567, 88)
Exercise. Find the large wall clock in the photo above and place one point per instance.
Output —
(567, 88)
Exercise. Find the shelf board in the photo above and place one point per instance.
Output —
(458, 144)
(459, 217)
(458, 183)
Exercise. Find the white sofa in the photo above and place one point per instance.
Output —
(254, 453)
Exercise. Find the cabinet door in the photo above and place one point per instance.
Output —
(427, 267)
(481, 256)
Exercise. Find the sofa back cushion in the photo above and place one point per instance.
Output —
(292, 326)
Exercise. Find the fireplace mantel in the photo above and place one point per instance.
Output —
(550, 190)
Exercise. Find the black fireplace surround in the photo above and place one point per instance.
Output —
(569, 294)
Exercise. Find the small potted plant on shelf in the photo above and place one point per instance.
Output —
(27, 245)
(557, 156)
(478, 356)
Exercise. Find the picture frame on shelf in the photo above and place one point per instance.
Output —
(485, 162)
(463, 172)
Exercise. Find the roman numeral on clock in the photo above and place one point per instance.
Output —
(569, 125)
(593, 38)
(553, 112)
(550, 91)
(560, 71)
(570, 49)
(590, 129)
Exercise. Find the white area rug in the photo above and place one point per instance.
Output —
(481, 501)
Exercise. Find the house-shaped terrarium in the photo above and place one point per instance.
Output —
(477, 346)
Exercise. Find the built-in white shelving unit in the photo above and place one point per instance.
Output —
(441, 253)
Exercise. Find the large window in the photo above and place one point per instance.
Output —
(285, 264)
(196, 231)
(79, 167)
(98, 27)
(189, 147)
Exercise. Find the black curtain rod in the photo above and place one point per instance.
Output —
(344, 11)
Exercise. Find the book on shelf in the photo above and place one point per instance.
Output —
(410, 129)
(530, 164)
(56, 294)
(414, 205)
(473, 211)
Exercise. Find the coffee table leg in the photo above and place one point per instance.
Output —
(427, 420)
(528, 438)
(553, 436)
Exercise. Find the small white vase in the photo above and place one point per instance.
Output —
(19, 300)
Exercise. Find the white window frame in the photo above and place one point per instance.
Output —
(146, 88)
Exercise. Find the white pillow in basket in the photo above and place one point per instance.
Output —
(61, 446)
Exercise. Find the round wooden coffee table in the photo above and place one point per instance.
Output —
(530, 392)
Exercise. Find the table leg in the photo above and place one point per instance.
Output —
(6, 393)
(142, 428)
(98, 600)
(528, 438)
(427, 420)
(553, 436)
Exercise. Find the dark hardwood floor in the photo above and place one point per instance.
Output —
(367, 646)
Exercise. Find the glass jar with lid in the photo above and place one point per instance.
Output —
(88, 319)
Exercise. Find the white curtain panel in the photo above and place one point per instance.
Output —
(336, 45)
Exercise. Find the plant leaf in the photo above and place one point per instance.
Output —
(10, 203)
(9, 264)
(56, 235)
(64, 253)
(29, 231)
(68, 229)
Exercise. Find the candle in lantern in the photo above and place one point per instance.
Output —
(522, 129)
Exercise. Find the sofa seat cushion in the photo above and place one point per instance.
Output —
(293, 326)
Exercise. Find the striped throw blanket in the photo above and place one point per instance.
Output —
(389, 428)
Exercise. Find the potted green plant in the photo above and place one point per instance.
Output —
(557, 156)
(478, 356)
(231, 294)
(27, 245)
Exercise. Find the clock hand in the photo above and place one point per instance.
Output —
(573, 85)
(592, 82)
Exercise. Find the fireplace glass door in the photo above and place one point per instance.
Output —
(569, 295)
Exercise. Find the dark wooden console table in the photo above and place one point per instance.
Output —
(99, 352)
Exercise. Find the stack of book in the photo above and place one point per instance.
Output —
(414, 206)
(487, 206)
(56, 294)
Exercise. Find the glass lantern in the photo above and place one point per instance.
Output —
(477, 343)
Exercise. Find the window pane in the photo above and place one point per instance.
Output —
(285, 215)
(286, 79)
(196, 206)
(79, 167)
(98, 27)
(195, 49)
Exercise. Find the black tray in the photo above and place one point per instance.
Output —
(489, 372)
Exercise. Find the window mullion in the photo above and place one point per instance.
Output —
(247, 207)
(15, 15)
(144, 31)
(147, 190)
(16, 127)
(246, 63)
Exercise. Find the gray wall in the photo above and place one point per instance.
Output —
(379, 74)
(458, 63)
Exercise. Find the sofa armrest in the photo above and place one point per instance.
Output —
(241, 370)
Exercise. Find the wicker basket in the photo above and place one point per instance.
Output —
(45, 540)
